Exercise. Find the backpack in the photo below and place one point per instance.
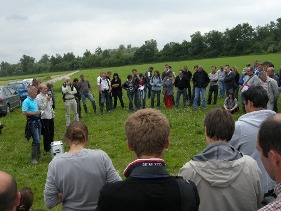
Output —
(107, 80)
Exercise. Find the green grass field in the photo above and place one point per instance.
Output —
(107, 130)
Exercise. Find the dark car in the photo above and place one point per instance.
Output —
(9, 100)
(21, 87)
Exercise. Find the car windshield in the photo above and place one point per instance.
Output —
(18, 86)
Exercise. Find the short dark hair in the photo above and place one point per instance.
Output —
(75, 80)
(257, 95)
(129, 76)
(219, 125)
(269, 134)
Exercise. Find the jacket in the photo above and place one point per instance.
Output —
(201, 79)
(148, 187)
(244, 140)
(225, 179)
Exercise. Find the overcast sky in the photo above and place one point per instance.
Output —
(37, 27)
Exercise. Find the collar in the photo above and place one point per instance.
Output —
(277, 189)
(144, 168)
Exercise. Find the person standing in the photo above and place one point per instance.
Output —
(69, 92)
(116, 90)
(269, 145)
(148, 185)
(181, 82)
(226, 179)
(130, 87)
(271, 87)
(186, 72)
(141, 91)
(213, 76)
(247, 126)
(45, 104)
(148, 75)
(76, 177)
(33, 123)
(77, 96)
(105, 90)
(201, 81)
(85, 89)
(221, 75)
(155, 83)
(229, 80)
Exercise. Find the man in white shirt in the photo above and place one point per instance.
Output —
(104, 90)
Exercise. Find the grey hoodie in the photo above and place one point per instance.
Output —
(225, 179)
(244, 140)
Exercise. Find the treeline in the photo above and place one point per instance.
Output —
(243, 39)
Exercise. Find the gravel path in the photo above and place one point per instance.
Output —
(61, 77)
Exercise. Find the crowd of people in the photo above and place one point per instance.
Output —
(226, 83)
(238, 170)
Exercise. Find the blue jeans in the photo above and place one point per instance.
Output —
(141, 99)
(35, 127)
(184, 95)
(153, 93)
(222, 88)
(197, 95)
(130, 96)
(89, 96)
(104, 97)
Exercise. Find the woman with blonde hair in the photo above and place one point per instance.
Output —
(75, 177)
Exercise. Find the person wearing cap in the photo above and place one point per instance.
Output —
(86, 92)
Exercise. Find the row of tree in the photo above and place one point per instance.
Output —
(243, 39)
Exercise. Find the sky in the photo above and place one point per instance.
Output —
(38, 27)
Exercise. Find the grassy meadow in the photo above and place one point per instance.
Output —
(107, 130)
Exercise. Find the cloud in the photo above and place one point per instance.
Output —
(35, 27)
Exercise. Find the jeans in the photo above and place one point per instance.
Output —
(35, 127)
(197, 95)
(141, 98)
(130, 96)
(104, 97)
(213, 89)
(184, 95)
(222, 88)
(157, 93)
(90, 97)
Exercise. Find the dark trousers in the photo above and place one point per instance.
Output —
(213, 89)
(157, 93)
(116, 95)
(48, 133)
(78, 106)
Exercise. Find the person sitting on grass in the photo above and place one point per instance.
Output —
(230, 103)
(148, 185)
(226, 179)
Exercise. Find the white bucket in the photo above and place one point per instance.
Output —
(56, 148)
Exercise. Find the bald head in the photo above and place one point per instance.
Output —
(9, 197)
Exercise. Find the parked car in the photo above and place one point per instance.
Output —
(9, 99)
(21, 87)
(28, 81)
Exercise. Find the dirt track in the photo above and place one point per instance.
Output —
(61, 77)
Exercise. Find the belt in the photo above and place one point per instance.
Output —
(69, 99)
